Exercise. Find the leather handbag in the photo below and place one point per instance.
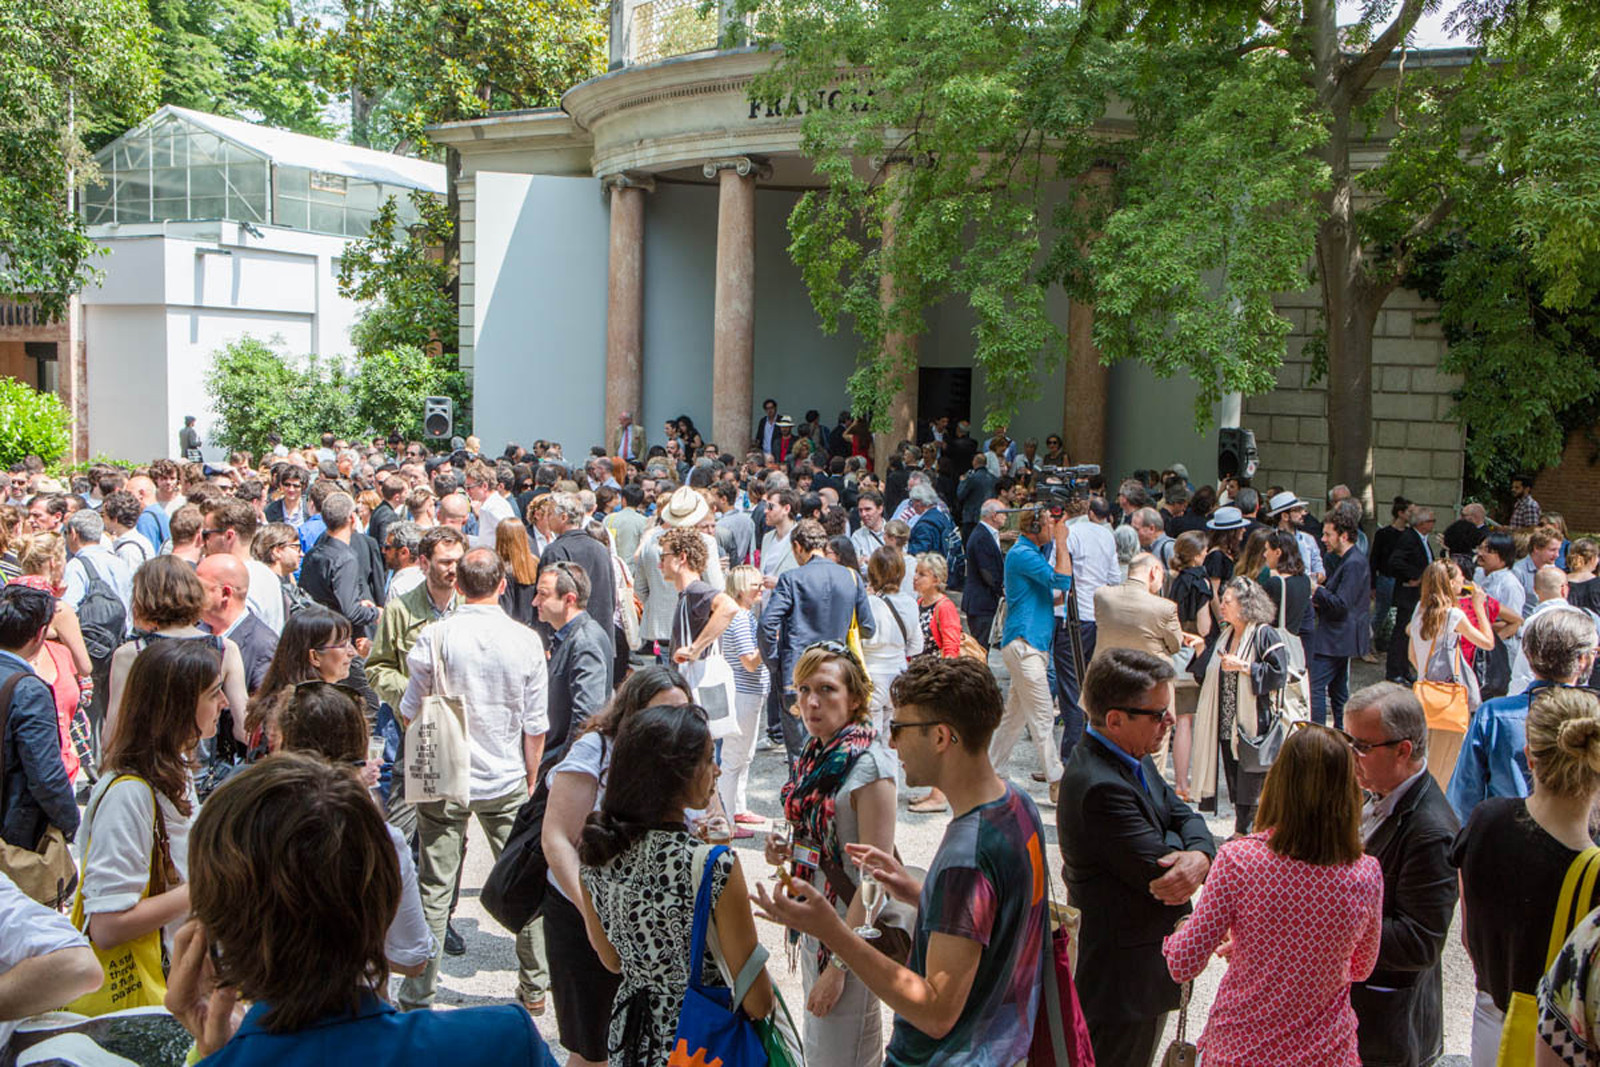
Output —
(1520, 1032)
(1182, 1053)
(1257, 754)
(1445, 704)
(1060, 1029)
(896, 923)
(47, 873)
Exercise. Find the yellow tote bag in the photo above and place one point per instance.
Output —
(1520, 1032)
(135, 976)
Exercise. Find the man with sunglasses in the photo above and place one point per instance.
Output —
(1132, 854)
(1408, 825)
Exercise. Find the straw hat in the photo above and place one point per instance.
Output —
(686, 507)
(1229, 518)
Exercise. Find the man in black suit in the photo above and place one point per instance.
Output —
(334, 575)
(1408, 825)
(394, 491)
(573, 543)
(1132, 855)
(1409, 558)
(1343, 605)
(986, 571)
(580, 654)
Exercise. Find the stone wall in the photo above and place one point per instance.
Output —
(1418, 450)
(1572, 486)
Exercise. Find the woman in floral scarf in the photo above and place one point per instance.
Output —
(842, 792)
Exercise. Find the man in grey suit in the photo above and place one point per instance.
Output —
(813, 602)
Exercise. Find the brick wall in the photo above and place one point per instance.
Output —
(1572, 486)
(1417, 449)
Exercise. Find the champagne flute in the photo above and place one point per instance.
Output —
(873, 899)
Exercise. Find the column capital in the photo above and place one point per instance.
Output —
(628, 179)
(744, 166)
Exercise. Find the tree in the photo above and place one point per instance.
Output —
(389, 387)
(1236, 173)
(65, 66)
(31, 424)
(250, 59)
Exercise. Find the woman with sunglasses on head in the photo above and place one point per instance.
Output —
(1436, 630)
(324, 720)
(639, 883)
(167, 602)
(842, 792)
(135, 832)
(1296, 910)
(583, 987)
(315, 645)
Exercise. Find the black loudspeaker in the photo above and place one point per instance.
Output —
(1236, 452)
(438, 417)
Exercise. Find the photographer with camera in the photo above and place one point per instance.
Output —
(1031, 584)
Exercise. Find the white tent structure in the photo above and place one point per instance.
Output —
(214, 229)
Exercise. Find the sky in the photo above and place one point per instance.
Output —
(1429, 31)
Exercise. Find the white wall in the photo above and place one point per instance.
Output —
(171, 297)
(540, 331)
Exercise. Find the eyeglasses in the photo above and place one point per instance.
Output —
(896, 727)
(347, 645)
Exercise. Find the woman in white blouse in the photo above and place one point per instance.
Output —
(897, 635)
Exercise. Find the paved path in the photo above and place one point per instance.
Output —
(487, 973)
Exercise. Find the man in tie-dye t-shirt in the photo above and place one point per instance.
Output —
(970, 994)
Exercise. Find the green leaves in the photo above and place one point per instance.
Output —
(31, 424)
(67, 67)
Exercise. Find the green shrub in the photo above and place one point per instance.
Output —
(32, 423)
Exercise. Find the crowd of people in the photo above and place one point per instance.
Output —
(226, 692)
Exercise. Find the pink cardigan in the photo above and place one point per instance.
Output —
(1301, 934)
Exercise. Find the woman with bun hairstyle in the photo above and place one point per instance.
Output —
(639, 882)
(1514, 853)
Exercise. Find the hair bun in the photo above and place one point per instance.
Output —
(1580, 738)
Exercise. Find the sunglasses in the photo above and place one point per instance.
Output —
(835, 648)
(1146, 713)
(896, 727)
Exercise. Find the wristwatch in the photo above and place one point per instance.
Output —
(838, 963)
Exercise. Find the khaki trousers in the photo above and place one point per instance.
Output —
(1028, 704)
(442, 825)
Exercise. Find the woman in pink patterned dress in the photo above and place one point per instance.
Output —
(1296, 908)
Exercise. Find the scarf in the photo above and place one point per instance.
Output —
(809, 798)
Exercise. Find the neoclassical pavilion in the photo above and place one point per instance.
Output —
(628, 252)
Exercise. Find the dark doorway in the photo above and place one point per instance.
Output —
(47, 379)
(944, 391)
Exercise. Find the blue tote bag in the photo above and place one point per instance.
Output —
(711, 1028)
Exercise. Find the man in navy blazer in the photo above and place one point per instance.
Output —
(986, 571)
(813, 602)
(1344, 614)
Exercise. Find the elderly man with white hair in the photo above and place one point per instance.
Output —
(1560, 645)
(568, 517)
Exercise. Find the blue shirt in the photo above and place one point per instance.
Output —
(1492, 763)
(467, 1037)
(1031, 583)
(1135, 765)
(153, 525)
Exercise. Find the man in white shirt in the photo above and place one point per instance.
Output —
(492, 509)
(1288, 511)
(1544, 545)
(1550, 587)
(777, 557)
(1494, 555)
(120, 510)
(868, 537)
(1093, 548)
(496, 667)
(44, 961)
(402, 546)
(230, 526)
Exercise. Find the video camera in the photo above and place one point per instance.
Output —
(1055, 487)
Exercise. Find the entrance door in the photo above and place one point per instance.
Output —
(943, 391)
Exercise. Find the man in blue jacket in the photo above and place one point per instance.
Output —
(1344, 614)
(38, 794)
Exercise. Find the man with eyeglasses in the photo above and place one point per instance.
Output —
(1132, 854)
(1408, 825)
(970, 991)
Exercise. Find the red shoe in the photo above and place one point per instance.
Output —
(740, 832)
(749, 818)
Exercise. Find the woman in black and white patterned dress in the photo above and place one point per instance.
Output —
(639, 884)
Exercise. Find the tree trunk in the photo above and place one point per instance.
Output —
(452, 245)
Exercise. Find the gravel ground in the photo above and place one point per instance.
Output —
(487, 973)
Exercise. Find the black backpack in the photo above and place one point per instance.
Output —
(101, 615)
(514, 891)
(955, 557)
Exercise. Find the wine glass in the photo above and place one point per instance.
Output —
(872, 901)
(781, 834)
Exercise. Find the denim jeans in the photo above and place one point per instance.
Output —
(1330, 687)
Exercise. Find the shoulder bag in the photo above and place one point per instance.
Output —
(136, 971)
(712, 1027)
(47, 873)
(438, 762)
(1060, 1030)
(896, 923)
(1182, 1053)
(1257, 754)
(711, 679)
(1295, 701)
(1446, 704)
(1520, 1032)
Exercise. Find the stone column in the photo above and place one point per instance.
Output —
(72, 379)
(625, 301)
(734, 324)
(1083, 414)
(899, 350)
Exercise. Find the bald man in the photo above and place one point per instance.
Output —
(152, 516)
(227, 584)
(1550, 590)
(453, 511)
